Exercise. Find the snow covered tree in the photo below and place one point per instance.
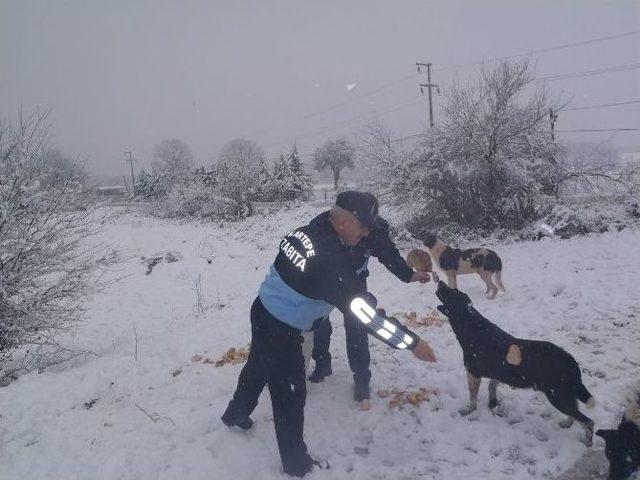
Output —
(336, 156)
(154, 184)
(174, 157)
(287, 182)
(301, 181)
(281, 168)
(282, 187)
(46, 269)
(241, 153)
(261, 191)
(206, 177)
(236, 171)
(57, 168)
(594, 168)
(490, 162)
(295, 162)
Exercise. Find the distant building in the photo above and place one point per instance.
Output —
(115, 191)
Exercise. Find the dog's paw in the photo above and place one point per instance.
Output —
(566, 423)
(500, 411)
(493, 403)
(467, 410)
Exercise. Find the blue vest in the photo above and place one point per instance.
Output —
(289, 306)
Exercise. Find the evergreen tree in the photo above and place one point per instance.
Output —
(283, 187)
(262, 190)
(294, 160)
(301, 181)
(281, 169)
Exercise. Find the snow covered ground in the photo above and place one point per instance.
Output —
(139, 407)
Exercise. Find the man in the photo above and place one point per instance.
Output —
(378, 244)
(310, 275)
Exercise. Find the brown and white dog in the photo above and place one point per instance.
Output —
(419, 260)
(454, 262)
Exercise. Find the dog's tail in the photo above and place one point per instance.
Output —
(498, 278)
(585, 397)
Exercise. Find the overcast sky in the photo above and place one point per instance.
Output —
(124, 75)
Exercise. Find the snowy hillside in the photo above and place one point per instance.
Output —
(146, 403)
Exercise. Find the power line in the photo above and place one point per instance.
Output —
(599, 71)
(335, 106)
(588, 73)
(388, 109)
(602, 105)
(600, 130)
(542, 50)
(407, 77)
(408, 137)
(422, 135)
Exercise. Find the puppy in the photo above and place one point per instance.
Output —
(623, 444)
(492, 353)
(454, 261)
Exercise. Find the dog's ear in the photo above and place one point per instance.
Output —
(607, 434)
(429, 240)
(442, 309)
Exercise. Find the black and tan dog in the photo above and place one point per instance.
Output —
(454, 262)
(623, 444)
(489, 352)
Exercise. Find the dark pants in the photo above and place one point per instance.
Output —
(276, 359)
(357, 347)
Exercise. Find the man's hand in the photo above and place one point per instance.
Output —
(423, 352)
(422, 277)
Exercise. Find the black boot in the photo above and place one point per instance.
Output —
(361, 392)
(302, 468)
(320, 372)
(230, 419)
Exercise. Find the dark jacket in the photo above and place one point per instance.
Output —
(379, 244)
(313, 272)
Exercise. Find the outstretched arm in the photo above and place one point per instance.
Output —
(387, 253)
(390, 330)
(343, 290)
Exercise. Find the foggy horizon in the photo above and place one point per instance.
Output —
(124, 76)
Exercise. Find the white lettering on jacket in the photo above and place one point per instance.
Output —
(295, 257)
(306, 242)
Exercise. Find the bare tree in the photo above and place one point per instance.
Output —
(46, 268)
(241, 153)
(174, 156)
(58, 168)
(336, 156)
(594, 169)
(381, 154)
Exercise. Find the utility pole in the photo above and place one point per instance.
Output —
(133, 179)
(553, 116)
(429, 86)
